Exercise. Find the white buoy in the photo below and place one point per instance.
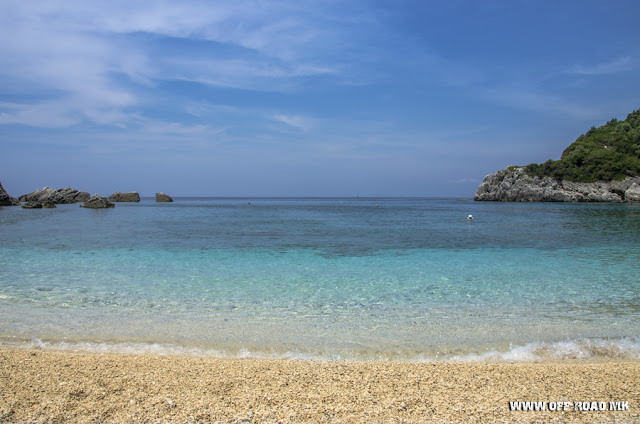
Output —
(470, 218)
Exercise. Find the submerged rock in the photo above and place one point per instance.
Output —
(131, 196)
(513, 184)
(98, 202)
(32, 205)
(59, 196)
(5, 199)
(161, 197)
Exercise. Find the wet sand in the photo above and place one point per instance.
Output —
(50, 386)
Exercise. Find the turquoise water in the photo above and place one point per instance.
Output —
(388, 278)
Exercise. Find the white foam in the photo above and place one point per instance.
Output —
(161, 349)
(579, 349)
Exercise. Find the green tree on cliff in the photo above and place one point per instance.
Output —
(609, 152)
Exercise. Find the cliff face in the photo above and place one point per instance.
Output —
(5, 199)
(512, 184)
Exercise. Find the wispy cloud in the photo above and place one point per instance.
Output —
(538, 100)
(79, 52)
(299, 122)
(262, 75)
(621, 64)
(47, 114)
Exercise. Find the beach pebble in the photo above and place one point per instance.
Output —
(133, 388)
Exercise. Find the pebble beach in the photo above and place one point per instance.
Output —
(81, 387)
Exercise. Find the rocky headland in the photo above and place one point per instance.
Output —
(5, 199)
(602, 165)
(513, 184)
(59, 196)
(131, 196)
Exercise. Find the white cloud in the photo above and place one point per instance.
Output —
(68, 73)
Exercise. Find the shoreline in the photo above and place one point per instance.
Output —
(51, 386)
(588, 350)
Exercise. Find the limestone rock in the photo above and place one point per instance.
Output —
(161, 197)
(60, 196)
(632, 194)
(131, 196)
(513, 184)
(5, 199)
(32, 205)
(98, 202)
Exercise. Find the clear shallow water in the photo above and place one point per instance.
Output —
(325, 278)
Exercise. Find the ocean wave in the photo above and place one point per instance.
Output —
(579, 349)
(161, 349)
(627, 348)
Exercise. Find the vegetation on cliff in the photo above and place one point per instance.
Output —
(610, 152)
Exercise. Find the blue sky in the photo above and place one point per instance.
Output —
(303, 98)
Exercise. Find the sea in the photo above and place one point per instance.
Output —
(407, 279)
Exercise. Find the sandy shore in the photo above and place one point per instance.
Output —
(45, 386)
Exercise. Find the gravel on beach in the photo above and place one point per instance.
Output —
(82, 387)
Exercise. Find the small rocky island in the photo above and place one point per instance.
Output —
(47, 197)
(97, 202)
(59, 196)
(602, 165)
(161, 197)
(131, 196)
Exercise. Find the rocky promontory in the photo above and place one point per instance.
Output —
(131, 196)
(513, 184)
(60, 196)
(5, 199)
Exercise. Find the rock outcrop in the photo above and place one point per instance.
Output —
(60, 196)
(5, 199)
(161, 197)
(98, 202)
(131, 196)
(38, 205)
(512, 184)
(32, 205)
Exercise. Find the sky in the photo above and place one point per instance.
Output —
(303, 98)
